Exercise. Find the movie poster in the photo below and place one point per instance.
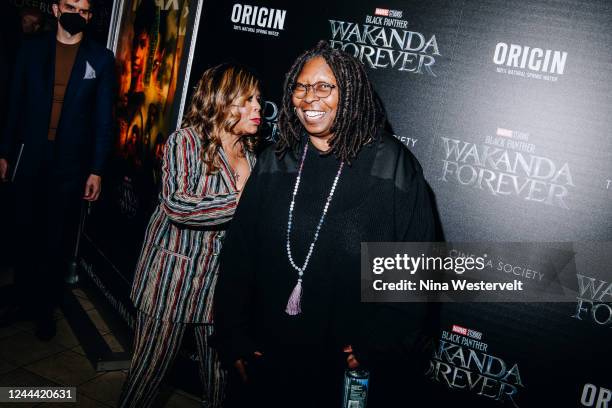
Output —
(149, 51)
(153, 48)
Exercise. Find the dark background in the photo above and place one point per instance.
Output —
(567, 120)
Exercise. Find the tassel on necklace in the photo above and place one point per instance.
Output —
(294, 305)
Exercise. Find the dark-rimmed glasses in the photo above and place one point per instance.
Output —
(320, 89)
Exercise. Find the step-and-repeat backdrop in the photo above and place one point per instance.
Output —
(506, 104)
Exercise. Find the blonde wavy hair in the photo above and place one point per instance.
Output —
(210, 110)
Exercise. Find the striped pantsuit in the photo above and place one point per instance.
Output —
(156, 345)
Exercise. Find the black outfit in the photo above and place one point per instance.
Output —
(84, 132)
(4, 79)
(381, 197)
(50, 176)
(5, 204)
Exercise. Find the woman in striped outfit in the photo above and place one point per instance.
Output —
(205, 167)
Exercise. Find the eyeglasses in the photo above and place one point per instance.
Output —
(320, 89)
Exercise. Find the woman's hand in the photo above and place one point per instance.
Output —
(351, 360)
(241, 364)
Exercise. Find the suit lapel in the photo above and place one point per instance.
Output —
(226, 170)
(251, 159)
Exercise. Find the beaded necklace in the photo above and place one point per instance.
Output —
(294, 303)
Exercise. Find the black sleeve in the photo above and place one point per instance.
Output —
(4, 80)
(16, 106)
(393, 329)
(103, 117)
(235, 284)
(413, 208)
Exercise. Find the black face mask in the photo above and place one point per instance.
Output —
(72, 22)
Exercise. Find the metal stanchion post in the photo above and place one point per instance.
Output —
(73, 275)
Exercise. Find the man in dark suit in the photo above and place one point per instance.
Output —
(59, 129)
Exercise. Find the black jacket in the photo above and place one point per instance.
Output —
(381, 197)
(84, 134)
